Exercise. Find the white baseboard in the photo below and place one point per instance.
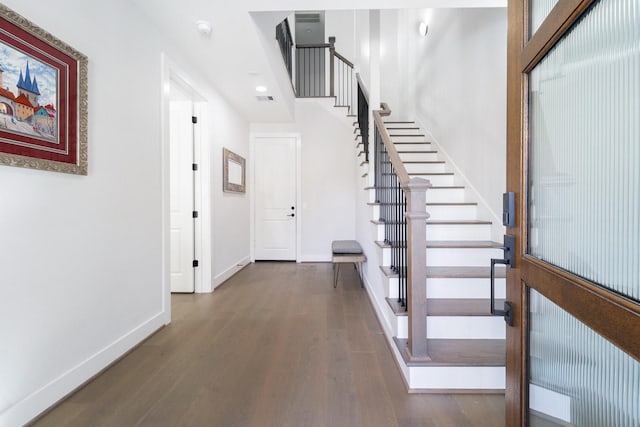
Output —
(315, 258)
(40, 400)
(229, 272)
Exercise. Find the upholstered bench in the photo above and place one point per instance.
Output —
(346, 251)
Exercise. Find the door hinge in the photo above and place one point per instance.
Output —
(194, 214)
(195, 263)
(194, 119)
(194, 167)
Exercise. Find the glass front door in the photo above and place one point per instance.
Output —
(574, 161)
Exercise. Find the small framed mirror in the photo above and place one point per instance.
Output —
(234, 172)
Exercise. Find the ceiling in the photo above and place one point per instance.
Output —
(241, 51)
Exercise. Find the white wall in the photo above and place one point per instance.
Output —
(394, 69)
(362, 46)
(460, 91)
(341, 24)
(230, 210)
(328, 195)
(81, 258)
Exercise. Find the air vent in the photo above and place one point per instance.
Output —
(264, 98)
(307, 18)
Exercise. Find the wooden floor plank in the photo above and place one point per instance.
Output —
(277, 345)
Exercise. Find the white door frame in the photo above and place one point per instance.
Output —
(202, 187)
(252, 201)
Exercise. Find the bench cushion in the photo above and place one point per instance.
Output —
(346, 247)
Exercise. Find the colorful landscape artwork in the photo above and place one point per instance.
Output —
(28, 95)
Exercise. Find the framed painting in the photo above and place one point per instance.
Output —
(43, 99)
(234, 173)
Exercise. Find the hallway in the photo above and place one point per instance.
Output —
(274, 346)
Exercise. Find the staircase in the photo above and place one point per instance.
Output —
(466, 345)
(444, 339)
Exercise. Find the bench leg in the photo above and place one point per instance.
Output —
(358, 267)
(336, 271)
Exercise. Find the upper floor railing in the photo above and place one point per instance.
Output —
(317, 70)
(285, 40)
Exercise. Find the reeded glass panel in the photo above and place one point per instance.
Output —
(538, 11)
(584, 150)
(576, 377)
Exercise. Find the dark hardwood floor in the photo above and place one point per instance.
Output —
(276, 345)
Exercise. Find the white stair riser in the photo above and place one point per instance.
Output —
(378, 232)
(449, 232)
(392, 286)
(438, 180)
(375, 212)
(463, 288)
(461, 257)
(371, 195)
(414, 147)
(408, 138)
(455, 288)
(428, 157)
(384, 256)
(458, 232)
(458, 327)
(452, 257)
(453, 212)
(398, 130)
(457, 377)
(425, 167)
(448, 195)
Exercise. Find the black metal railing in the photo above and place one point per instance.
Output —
(321, 71)
(363, 118)
(311, 61)
(285, 40)
(393, 204)
(342, 79)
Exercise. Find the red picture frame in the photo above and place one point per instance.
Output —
(43, 98)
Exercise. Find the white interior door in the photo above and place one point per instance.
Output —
(182, 190)
(275, 198)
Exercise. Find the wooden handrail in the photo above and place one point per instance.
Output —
(343, 59)
(317, 45)
(397, 163)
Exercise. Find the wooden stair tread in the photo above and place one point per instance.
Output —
(393, 128)
(416, 151)
(458, 222)
(454, 244)
(450, 307)
(464, 244)
(399, 122)
(430, 173)
(420, 162)
(446, 187)
(443, 352)
(464, 272)
(453, 204)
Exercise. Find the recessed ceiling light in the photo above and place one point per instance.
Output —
(261, 88)
(204, 27)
